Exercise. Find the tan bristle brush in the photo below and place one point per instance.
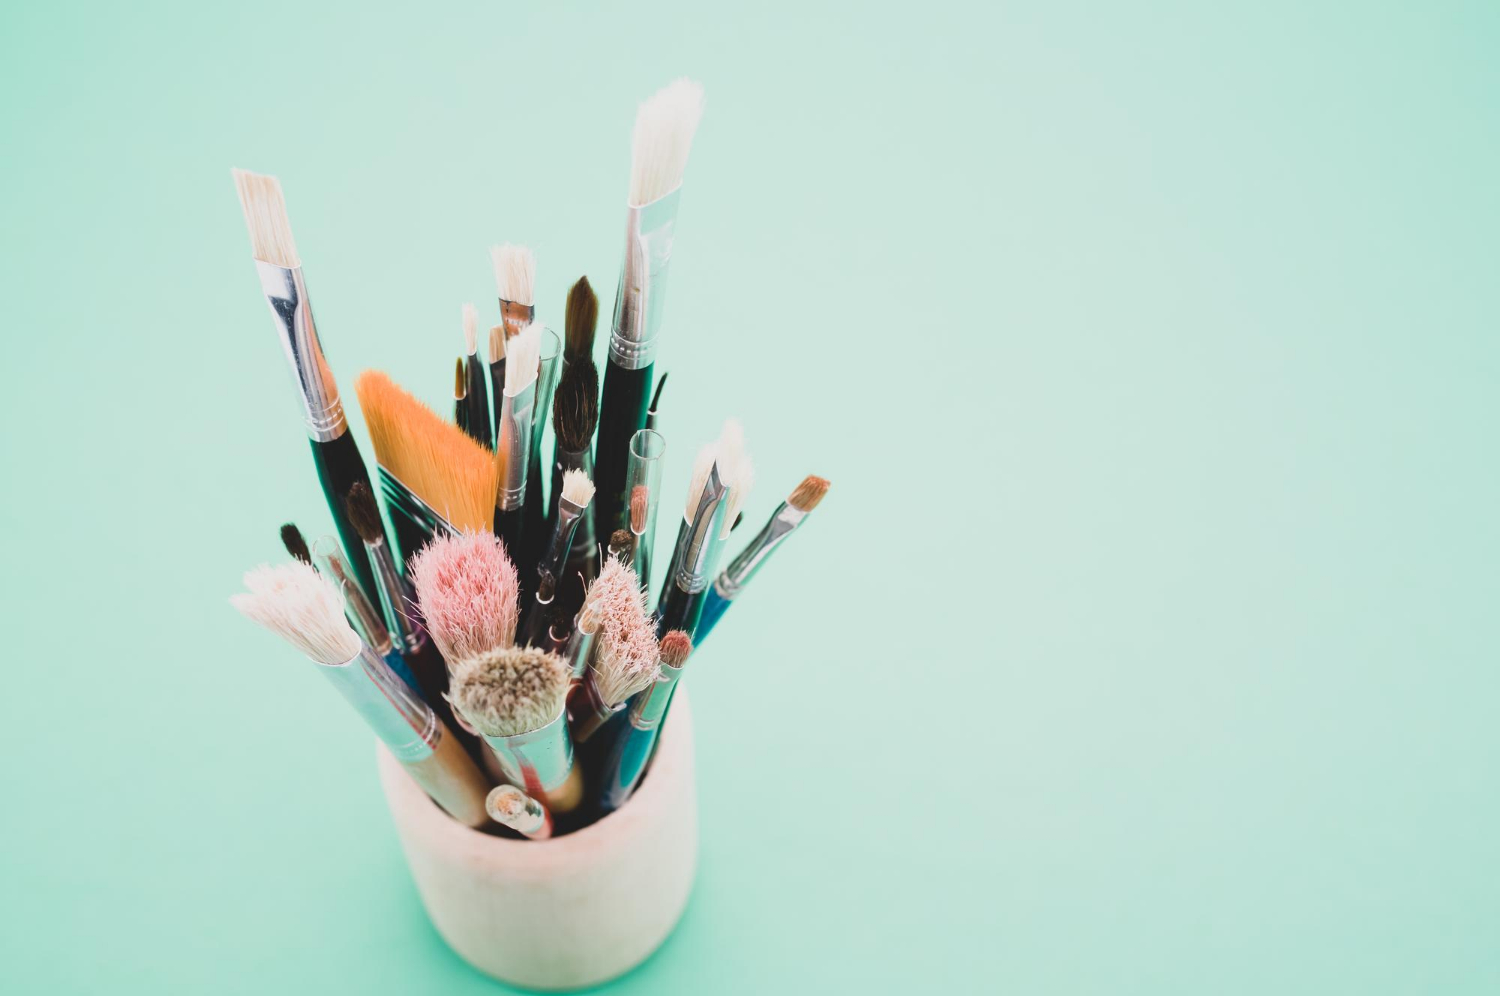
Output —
(514, 697)
(733, 579)
(435, 479)
(305, 609)
(625, 651)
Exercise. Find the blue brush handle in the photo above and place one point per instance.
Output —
(714, 606)
(627, 762)
(398, 664)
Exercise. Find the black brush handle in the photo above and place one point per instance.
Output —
(677, 610)
(497, 389)
(478, 401)
(340, 467)
(535, 533)
(510, 526)
(622, 413)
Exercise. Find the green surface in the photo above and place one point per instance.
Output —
(1185, 315)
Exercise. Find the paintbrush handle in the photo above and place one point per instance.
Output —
(622, 412)
(678, 609)
(715, 604)
(477, 401)
(340, 467)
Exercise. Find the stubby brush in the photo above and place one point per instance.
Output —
(466, 590)
(476, 396)
(743, 568)
(624, 657)
(632, 749)
(664, 129)
(435, 479)
(279, 267)
(304, 609)
(572, 505)
(514, 698)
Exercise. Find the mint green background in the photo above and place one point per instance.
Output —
(1184, 314)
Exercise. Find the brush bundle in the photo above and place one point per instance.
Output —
(518, 671)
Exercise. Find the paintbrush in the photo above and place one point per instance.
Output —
(476, 397)
(466, 590)
(512, 455)
(624, 655)
(497, 367)
(742, 569)
(334, 451)
(295, 603)
(291, 538)
(580, 323)
(511, 807)
(514, 697)
(461, 399)
(653, 413)
(640, 556)
(515, 279)
(434, 479)
(534, 509)
(575, 412)
(632, 748)
(721, 478)
(572, 506)
(664, 128)
(329, 561)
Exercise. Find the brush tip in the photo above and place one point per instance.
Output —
(582, 318)
(497, 343)
(509, 691)
(664, 129)
(575, 405)
(460, 382)
(266, 218)
(467, 589)
(619, 542)
(471, 329)
(805, 496)
(675, 648)
(515, 273)
(577, 488)
(640, 499)
(364, 514)
(291, 538)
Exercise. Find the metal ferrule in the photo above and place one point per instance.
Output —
(641, 295)
(583, 537)
(743, 567)
(649, 706)
(695, 543)
(549, 368)
(515, 438)
(514, 317)
(401, 720)
(580, 648)
(538, 761)
(568, 516)
(329, 557)
(402, 501)
(286, 294)
(397, 597)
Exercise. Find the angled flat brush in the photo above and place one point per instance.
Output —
(743, 568)
(279, 267)
(664, 129)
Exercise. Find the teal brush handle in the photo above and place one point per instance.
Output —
(714, 606)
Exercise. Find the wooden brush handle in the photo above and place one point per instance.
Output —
(453, 780)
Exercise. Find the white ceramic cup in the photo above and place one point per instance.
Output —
(569, 912)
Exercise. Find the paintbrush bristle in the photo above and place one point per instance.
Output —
(460, 382)
(364, 514)
(575, 406)
(471, 329)
(664, 128)
(702, 464)
(431, 456)
(582, 317)
(515, 273)
(640, 500)
(627, 648)
(675, 648)
(466, 587)
(577, 488)
(619, 543)
(266, 218)
(302, 607)
(510, 691)
(497, 343)
(805, 496)
(735, 470)
(523, 354)
(291, 538)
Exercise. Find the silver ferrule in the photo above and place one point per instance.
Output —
(538, 761)
(404, 502)
(403, 722)
(515, 439)
(580, 647)
(397, 597)
(695, 543)
(286, 294)
(641, 295)
(743, 567)
(649, 706)
(568, 516)
(549, 368)
(514, 317)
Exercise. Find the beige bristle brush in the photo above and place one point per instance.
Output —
(514, 698)
(572, 505)
(721, 479)
(624, 658)
(305, 609)
(512, 452)
(435, 479)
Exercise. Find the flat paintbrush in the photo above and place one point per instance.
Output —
(664, 128)
(515, 280)
(334, 451)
